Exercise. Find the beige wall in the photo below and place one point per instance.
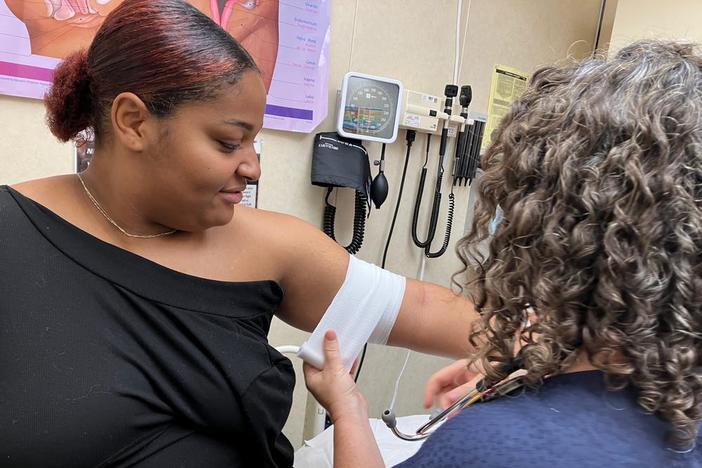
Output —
(27, 149)
(608, 15)
(638, 19)
(411, 40)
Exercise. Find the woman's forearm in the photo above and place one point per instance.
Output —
(433, 320)
(354, 443)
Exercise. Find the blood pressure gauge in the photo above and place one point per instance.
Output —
(369, 107)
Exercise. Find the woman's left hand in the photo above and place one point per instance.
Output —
(333, 386)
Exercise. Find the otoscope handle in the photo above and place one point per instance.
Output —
(460, 143)
(442, 143)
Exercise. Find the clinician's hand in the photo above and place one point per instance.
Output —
(333, 386)
(449, 384)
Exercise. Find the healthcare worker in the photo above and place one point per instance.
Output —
(593, 283)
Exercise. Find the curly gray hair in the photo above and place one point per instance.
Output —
(598, 171)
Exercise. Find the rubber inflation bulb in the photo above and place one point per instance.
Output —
(379, 189)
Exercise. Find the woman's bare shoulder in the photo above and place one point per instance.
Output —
(51, 192)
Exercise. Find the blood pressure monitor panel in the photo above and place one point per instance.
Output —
(369, 108)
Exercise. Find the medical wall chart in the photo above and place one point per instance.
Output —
(507, 85)
(288, 39)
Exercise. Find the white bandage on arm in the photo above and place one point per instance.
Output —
(364, 309)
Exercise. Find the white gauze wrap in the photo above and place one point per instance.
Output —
(363, 310)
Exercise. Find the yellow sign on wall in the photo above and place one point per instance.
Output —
(507, 84)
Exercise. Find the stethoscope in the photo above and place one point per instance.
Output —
(480, 393)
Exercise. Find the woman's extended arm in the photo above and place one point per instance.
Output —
(432, 319)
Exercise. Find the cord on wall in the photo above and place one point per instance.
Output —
(353, 35)
(598, 33)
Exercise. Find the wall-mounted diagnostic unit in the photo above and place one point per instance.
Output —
(369, 107)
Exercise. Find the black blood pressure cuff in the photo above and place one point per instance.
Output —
(340, 162)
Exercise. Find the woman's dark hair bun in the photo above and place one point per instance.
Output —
(69, 103)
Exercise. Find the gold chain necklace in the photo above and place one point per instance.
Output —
(112, 221)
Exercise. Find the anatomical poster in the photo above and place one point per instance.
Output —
(84, 149)
(289, 40)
